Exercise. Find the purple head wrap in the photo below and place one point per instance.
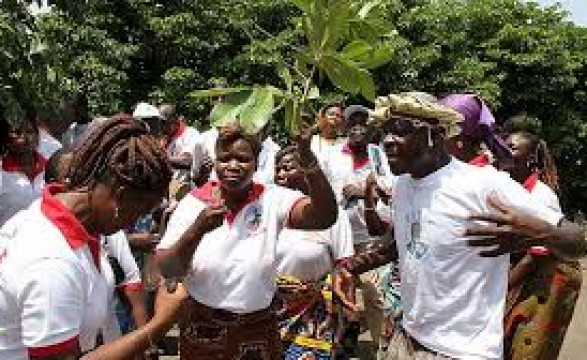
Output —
(479, 122)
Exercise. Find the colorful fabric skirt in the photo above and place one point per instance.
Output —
(541, 309)
(214, 334)
(310, 319)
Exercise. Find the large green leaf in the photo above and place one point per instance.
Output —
(378, 57)
(229, 110)
(341, 72)
(348, 76)
(216, 92)
(257, 110)
(366, 84)
(251, 108)
(357, 50)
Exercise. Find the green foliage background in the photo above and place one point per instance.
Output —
(519, 57)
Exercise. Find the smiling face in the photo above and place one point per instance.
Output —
(235, 164)
(330, 121)
(288, 172)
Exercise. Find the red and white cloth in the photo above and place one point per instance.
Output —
(234, 266)
(17, 190)
(52, 293)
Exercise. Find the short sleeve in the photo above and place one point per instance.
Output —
(119, 249)
(51, 296)
(512, 193)
(545, 195)
(341, 236)
(182, 218)
(285, 199)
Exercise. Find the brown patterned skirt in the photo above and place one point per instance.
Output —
(213, 334)
(539, 312)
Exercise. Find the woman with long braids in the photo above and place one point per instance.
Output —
(222, 238)
(543, 289)
(53, 295)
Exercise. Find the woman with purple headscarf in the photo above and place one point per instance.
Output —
(478, 130)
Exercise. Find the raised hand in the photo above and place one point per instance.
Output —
(303, 141)
(352, 192)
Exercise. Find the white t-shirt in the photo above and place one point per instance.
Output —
(543, 194)
(17, 191)
(52, 295)
(116, 246)
(186, 141)
(48, 145)
(234, 266)
(265, 173)
(309, 255)
(453, 298)
(342, 170)
(324, 149)
(209, 138)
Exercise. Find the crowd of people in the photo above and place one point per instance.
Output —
(420, 220)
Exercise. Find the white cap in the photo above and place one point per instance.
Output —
(144, 110)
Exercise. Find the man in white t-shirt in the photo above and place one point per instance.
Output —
(453, 261)
(184, 144)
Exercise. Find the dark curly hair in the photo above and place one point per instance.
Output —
(121, 151)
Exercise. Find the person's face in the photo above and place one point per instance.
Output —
(357, 130)
(288, 173)
(521, 151)
(331, 119)
(235, 165)
(405, 145)
(131, 205)
(22, 138)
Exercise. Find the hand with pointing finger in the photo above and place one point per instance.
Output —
(508, 230)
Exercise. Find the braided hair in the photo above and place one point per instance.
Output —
(122, 152)
(540, 159)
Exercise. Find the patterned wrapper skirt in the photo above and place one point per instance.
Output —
(310, 319)
(540, 310)
(214, 334)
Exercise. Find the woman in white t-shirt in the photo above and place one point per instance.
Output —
(536, 273)
(223, 238)
(23, 167)
(53, 295)
(310, 317)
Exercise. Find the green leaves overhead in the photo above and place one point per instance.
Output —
(250, 107)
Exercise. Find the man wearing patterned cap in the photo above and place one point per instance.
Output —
(454, 225)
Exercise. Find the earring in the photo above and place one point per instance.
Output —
(116, 212)
(430, 143)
